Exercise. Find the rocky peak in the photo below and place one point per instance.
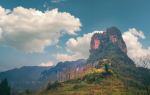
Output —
(112, 36)
(103, 44)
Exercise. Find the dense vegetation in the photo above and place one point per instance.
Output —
(4, 87)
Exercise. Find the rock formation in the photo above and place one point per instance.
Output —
(107, 44)
(111, 36)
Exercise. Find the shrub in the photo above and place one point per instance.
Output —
(53, 86)
(77, 86)
(93, 78)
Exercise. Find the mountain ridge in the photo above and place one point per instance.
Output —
(23, 78)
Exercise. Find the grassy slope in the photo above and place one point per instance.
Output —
(126, 79)
(94, 84)
(89, 89)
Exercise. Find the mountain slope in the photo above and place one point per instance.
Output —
(100, 84)
(35, 77)
(125, 77)
(26, 77)
(63, 70)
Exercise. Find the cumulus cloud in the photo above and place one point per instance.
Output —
(136, 51)
(47, 64)
(135, 48)
(32, 30)
(77, 48)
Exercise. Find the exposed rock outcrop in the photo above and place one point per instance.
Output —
(107, 45)
(105, 39)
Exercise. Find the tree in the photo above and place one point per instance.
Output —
(54, 85)
(4, 87)
(106, 63)
(106, 68)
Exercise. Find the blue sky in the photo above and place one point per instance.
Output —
(93, 15)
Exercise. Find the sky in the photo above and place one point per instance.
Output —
(45, 32)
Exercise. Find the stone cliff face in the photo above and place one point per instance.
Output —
(112, 36)
(107, 44)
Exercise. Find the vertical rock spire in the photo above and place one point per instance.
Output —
(106, 43)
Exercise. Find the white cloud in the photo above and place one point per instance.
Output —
(49, 63)
(136, 51)
(66, 57)
(134, 46)
(77, 48)
(0, 33)
(32, 30)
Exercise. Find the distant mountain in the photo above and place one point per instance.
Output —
(64, 70)
(26, 77)
(35, 77)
